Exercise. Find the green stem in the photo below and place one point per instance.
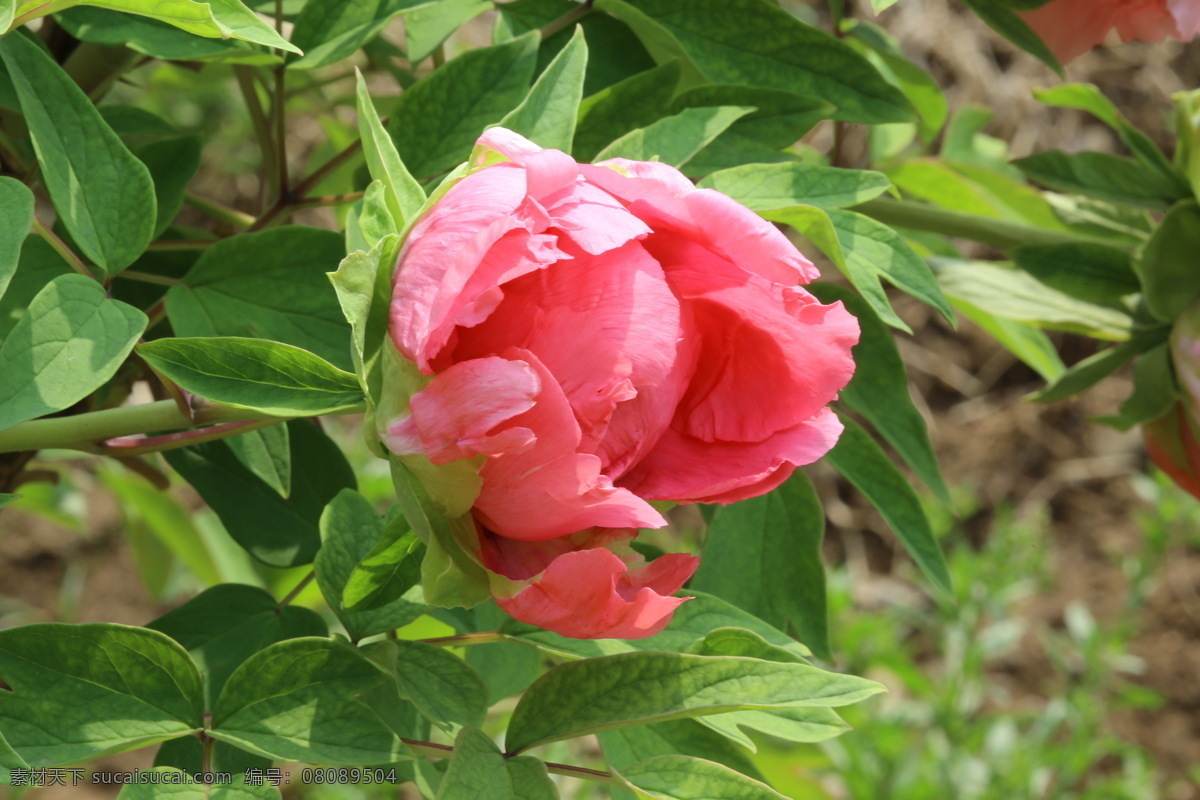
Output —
(61, 248)
(175, 245)
(237, 219)
(988, 230)
(87, 432)
(146, 277)
(262, 126)
(294, 593)
(486, 637)
(433, 750)
(566, 20)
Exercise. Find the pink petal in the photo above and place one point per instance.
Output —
(474, 214)
(1187, 17)
(606, 327)
(769, 356)
(590, 594)
(551, 489)
(684, 468)
(657, 195)
(519, 561)
(451, 417)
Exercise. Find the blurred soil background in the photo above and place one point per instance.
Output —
(1084, 573)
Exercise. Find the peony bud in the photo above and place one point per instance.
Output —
(575, 342)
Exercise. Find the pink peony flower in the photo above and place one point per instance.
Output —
(1172, 446)
(1072, 27)
(585, 339)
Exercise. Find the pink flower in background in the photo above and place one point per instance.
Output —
(1072, 27)
(595, 337)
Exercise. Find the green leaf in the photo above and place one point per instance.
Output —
(764, 187)
(867, 251)
(426, 27)
(678, 777)
(879, 390)
(1086, 97)
(224, 625)
(404, 197)
(437, 121)
(884, 53)
(1026, 342)
(9, 759)
(1167, 267)
(449, 575)
(266, 285)
(1103, 175)
(81, 691)
(1001, 18)
(764, 135)
(70, 341)
(479, 771)
(363, 283)
(16, 218)
(1090, 272)
(172, 163)
(270, 377)
(159, 39)
(221, 19)
(748, 42)
(1019, 296)
(277, 531)
(350, 528)
(169, 782)
(764, 555)
(102, 193)
(38, 266)
(391, 568)
(803, 725)
(298, 701)
(632, 103)
(675, 139)
(267, 453)
(691, 623)
(1155, 391)
(1094, 368)
(330, 30)
(862, 462)
(547, 114)
(626, 746)
(583, 697)
(5, 498)
(239, 22)
(8, 10)
(441, 685)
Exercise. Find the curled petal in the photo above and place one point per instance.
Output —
(552, 489)
(591, 594)
(686, 469)
(452, 416)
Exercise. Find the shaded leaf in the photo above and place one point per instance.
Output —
(862, 462)
(266, 285)
(224, 625)
(16, 218)
(764, 555)
(298, 701)
(81, 691)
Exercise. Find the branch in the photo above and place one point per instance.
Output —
(61, 248)
(988, 230)
(86, 432)
(237, 219)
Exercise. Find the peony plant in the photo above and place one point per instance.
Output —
(558, 292)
